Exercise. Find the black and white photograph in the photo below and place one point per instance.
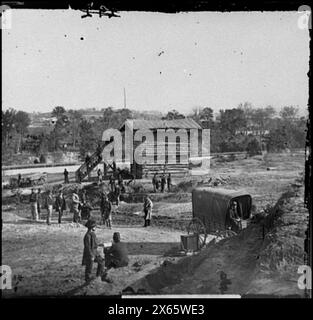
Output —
(155, 152)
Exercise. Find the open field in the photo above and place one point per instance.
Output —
(49, 257)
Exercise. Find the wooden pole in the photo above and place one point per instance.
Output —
(124, 98)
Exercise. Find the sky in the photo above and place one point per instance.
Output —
(164, 61)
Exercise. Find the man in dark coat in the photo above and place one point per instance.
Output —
(163, 182)
(90, 251)
(114, 167)
(39, 198)
(60, 205)
(106, 210)
(112, 183)
(49, 201)
(147, 209)
(19, 179)
(66, 176)
(100, 177)
(154, 181)
(33, 200)
(157, 182)
(117, 194)
(86, 211)
(117, 255)
(83, 197)
(169, 182)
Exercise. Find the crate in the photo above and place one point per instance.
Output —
(189, 242)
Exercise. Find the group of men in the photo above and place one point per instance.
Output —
(80, 206)
(159, 182)
(115, 256)
(37, 202)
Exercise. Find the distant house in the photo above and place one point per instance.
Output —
(166, 142)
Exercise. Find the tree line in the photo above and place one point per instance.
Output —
(244, 128)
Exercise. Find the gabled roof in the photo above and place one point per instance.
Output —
(136, 124)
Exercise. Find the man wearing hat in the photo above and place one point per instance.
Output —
(49, 205)
(90, 251)
(117, 255)
(106, 210)
(75, 205)
(33, 200)
(147, 209)
(60, 205)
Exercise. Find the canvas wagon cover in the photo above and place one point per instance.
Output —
(211, 204)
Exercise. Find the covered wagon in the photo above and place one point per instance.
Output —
(211, 211)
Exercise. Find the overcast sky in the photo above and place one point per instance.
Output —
(164, 61)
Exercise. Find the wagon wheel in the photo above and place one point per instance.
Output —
(196, 226)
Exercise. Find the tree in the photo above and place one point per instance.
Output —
(253, 147)
(278, 138)
(75, 117)
(22, 121)
(173, 115)
(58, 112)
(206, 117)
(8, 124)
(114, 118)
(291, 127)
(88, 138)
(260, 121)
(289, 113)
(232, 121)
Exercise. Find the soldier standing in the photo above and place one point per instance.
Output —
(106, 211)
(90, 251)
(33, 200)
(157, 182)
(75, 204)
(60, 205)
(117, 194)
(99, 173)
(112, 183)
(154, 181)
(39, 202)
(147, 209)
(65, 176)
(19, 179)
(49, 206)
(163, 182)
(169, 182)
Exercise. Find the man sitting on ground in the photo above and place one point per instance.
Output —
(117, 255)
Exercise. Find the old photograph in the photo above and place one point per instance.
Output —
(155, 153)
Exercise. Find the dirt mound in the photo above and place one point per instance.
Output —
(208, 181)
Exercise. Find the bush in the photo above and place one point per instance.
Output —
(42, 159)
(253, 147)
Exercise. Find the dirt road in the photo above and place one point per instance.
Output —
(49, 257)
